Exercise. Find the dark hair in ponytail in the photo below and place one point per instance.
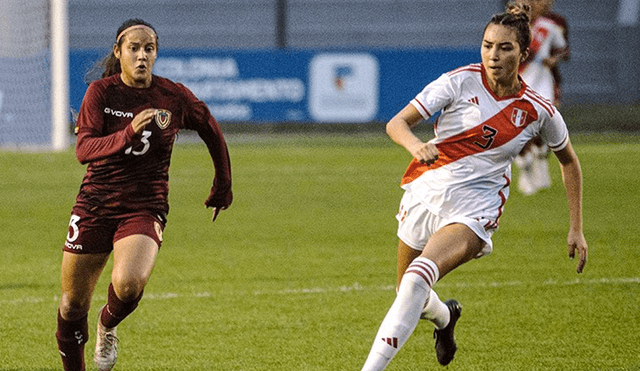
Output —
(517, 16)
(110, 65)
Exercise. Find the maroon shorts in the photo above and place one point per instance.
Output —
(90, 234)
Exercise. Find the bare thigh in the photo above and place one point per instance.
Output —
(134, 257)
(449, 247)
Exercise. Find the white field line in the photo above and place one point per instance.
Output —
(355, 287)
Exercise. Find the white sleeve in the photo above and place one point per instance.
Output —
(559, 42)
(435, 96)
(554, 132)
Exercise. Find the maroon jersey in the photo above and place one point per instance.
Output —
(129, 172)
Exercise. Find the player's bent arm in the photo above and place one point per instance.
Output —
(93, 147)
(572, 179)
(399, 130)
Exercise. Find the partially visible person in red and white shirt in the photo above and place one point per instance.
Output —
(549, 46)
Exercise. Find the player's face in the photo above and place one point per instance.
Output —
(137, 55)
(501, 55)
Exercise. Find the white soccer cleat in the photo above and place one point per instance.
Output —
(106, 347)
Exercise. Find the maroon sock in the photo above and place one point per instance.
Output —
(116, 310)
(71, 336)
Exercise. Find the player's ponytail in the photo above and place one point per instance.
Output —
(518, 16)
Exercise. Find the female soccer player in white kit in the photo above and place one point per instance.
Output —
(457, 184)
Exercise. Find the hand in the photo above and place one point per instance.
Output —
(216, 211)
(577, 242)
(219, 199)
(426, 153)
(143, 119)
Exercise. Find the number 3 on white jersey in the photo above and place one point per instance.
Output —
(145, 139)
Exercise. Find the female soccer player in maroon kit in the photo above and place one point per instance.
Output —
(126, 129)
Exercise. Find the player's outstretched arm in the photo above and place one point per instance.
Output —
(572, 179)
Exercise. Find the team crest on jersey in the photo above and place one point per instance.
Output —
(163, 118)
(518, 117)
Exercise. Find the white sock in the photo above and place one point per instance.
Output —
(524, 161)
(540, 170)
(404, 314)
(436, 311)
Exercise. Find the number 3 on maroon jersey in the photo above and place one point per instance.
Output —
(145, 140)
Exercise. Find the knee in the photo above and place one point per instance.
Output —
(128, 290)
(72, 307)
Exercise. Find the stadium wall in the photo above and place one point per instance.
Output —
(604, 36)
(319, 85)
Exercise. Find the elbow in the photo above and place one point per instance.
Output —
(81, 159)
(387, 128)
(81, 156)
(396, 125)
(391, 127)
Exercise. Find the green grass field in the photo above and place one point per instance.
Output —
(299, 272)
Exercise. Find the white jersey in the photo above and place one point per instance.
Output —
(548, 38)
(478, 135)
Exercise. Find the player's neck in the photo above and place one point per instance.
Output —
(502, 89)
(136, 83)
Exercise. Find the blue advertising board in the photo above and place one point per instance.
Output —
(261, 86)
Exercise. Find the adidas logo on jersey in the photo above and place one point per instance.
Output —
(474, 100)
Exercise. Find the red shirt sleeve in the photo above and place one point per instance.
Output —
(93, 142)
(199, 118)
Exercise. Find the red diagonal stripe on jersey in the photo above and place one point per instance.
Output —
(490, 134)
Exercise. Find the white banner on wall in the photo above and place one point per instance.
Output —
(343, 87)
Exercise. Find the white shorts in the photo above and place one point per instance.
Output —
(416, 224)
